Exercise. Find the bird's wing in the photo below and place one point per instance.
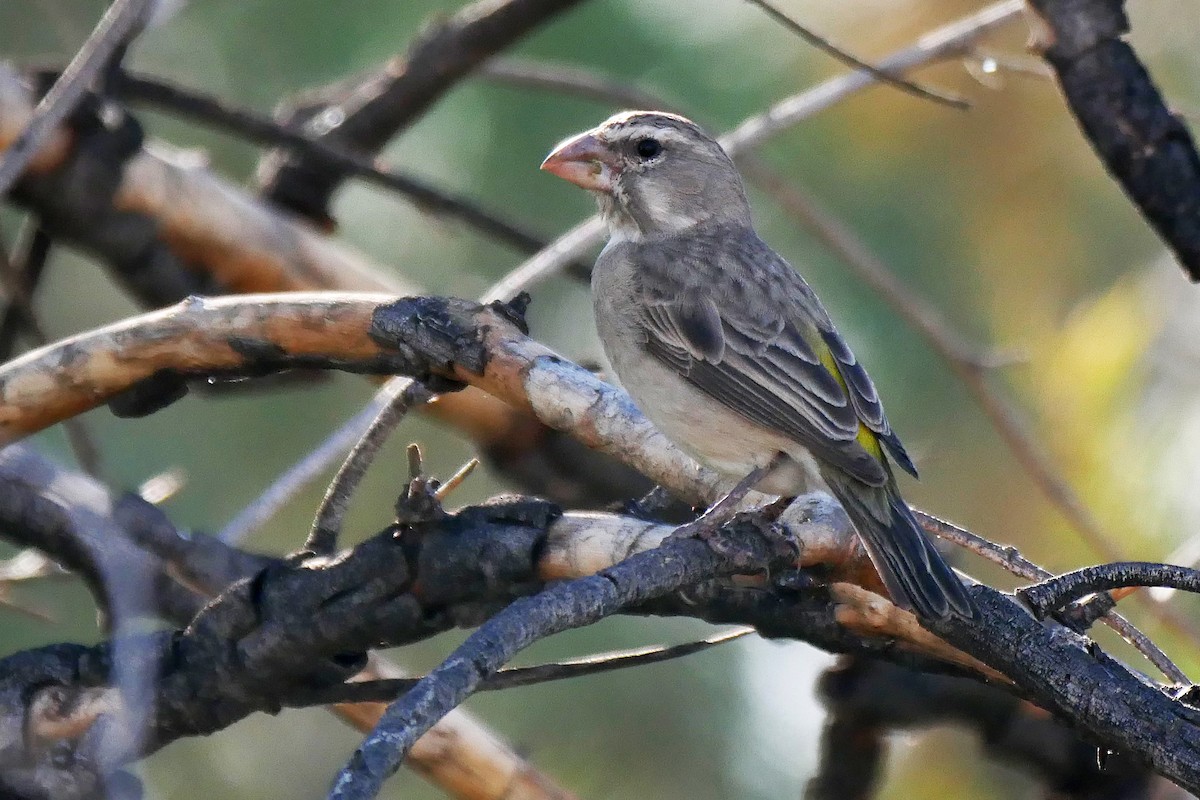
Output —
(726, 313)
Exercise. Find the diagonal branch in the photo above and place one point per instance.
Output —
(1146, 148)
(121, 22)
(948, 42)
(677, 563)
(883, 76)
(370, 111)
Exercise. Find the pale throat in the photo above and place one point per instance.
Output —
(621, 226)
(657, 216)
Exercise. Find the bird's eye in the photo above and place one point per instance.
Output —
(648, 148)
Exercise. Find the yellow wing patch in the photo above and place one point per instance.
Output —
(866, 437)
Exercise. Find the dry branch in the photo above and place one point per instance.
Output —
(156, 218)
(283, 630)
(253, 334)
(131, 537)
(169, 228)
(374, 108)
(1147, 149)
(195, 338)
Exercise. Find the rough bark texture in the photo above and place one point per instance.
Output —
(1147, 149)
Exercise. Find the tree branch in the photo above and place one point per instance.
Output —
(121, 22)
(677, 563)
(371, 110)
(1053, 593)
(1145, 148)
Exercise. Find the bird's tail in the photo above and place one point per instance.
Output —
(912, 570)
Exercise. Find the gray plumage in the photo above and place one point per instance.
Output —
(727, 349)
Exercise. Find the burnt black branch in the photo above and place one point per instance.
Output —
(1147, 149)
(284, 632)
(1054, 593)
(674, 565)
(1070, 676)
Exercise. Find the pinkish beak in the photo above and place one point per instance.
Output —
(584, 161)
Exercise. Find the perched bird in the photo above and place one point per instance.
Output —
(729, 352)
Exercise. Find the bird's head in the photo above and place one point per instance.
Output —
(653, 173)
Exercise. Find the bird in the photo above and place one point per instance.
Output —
(728, 351)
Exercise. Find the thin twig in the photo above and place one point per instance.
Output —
(388, 689)
(1006, 556)
(295, 478)
(883, 76)
(120, 23)
(948, 42)
(396, 397)
(1011, 559)
(261, 129)
(572, 80)
(723, 510)
(456, 480)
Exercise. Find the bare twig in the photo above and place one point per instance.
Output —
(285, 487)
(1006, 556)
(403, 393)
(1056, 592)
(456, 480)
(1011, 559)
(945, 43)
(825, 46)
(388, 689)
(948, 42)
(120, 23)
(572, 80)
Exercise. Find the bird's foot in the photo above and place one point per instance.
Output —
(723, 517)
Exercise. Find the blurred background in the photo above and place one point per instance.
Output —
(1000, 215)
